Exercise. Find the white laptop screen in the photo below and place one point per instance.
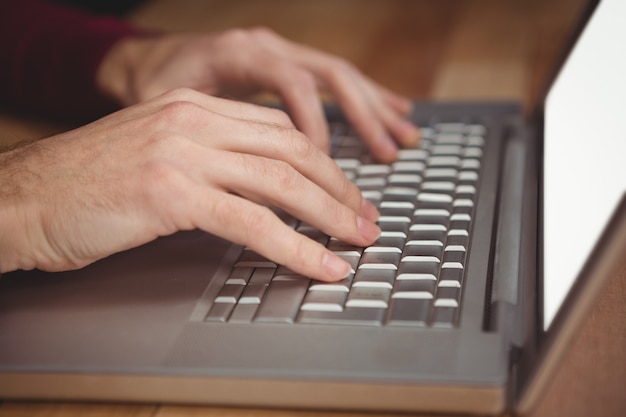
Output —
(584, 150)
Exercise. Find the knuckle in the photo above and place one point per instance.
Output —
(159, 177)
(257, 223)
(280, 117)
(301, 148)
(285, 176)
(301, 250)
(299, 78)
(179, 94)
(263, 32)
(350, 191)
(339, 69)
(178, 112)
(341, 64)
(235, 37)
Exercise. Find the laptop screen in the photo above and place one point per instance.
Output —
(584, 150)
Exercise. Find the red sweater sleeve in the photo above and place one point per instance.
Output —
(50, 55)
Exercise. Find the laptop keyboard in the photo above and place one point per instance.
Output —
(411, 276)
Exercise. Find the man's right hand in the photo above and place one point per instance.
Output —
(180, 161)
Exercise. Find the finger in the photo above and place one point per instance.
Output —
(360, 113)
(272, 142)
(400, 104)
(371, 109)
(277, 184)
(244, 222)
(299, 92)
(404, 132)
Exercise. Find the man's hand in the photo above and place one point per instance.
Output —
(240, 62)
(180, 161)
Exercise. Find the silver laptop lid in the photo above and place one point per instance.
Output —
(584, 151)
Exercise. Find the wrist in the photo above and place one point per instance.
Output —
(16, 208)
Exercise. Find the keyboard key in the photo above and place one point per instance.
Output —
(434, 197)
(339, 246)
(450, 127)
(438, 186)
(349, 316)
(229, 294)
(371, 183)
(444, 316)
(412, 154)
(252, 294)
(409, 312)
(389, 242)
(473, 152)
(450, 139)
(395, 211)
(368, 297)
(408, 167)
(240, 275)
(380, 278)
(428, 227)
(452, 265)
(425, 212)
(468, 176)
(380, 260)
(404, 179)
(401, 219)
(249, 258)
(352, 258)
(243, 313)
(345, 163)
(324, 301)
(452, 277)
(455, 150)
(441, 161)
(281, 302)
(341, 286)
(261, 276)
(378, 169)
(219, 312)
(470, 164)
(475, 130)
(417, 289)
(475, 141)
(427, 234)
(441, 173)
(418, 270)
(423, 250)
(453, 256)
(313, 234)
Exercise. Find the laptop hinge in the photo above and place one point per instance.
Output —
(508, 290)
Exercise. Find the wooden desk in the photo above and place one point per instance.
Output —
(451, 49)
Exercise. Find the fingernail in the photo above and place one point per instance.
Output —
(389, 149)
(369, 211)
(335, 266)
(410, 133)
(368, 230)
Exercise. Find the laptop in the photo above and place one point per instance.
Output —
(508, 233)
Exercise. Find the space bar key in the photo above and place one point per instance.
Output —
(349, 316)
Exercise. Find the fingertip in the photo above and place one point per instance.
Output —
(369, 211)
(335, 267)
(409, 134)
(368, 230)
(387, 150)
